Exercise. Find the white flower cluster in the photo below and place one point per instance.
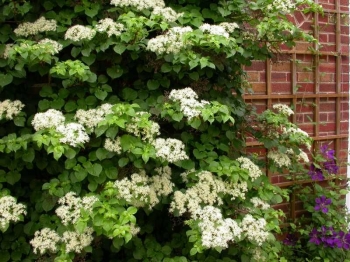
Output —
(216, 231)
(45, 240)
(189, 105)
(280, 159)
(53, 46)
(208, 191)
(140, 125)
(170, 149)
(113, 145)
(40, 25)
(139, 4)
(70, 210)
(258, 203)
(167, 13)
(214, 30)
(9, 109)
(303, 136)
(48, 240)
(169, 43)
(283, 109)
(7, 49)
(75, 241)
(73, 134)
(90, 118)
(10, 211)
(229, 27)
(254, 170)
(50, 119)
(283, 6)
(254, 229)
(302, 156)
(144, 191)
(78, 33)
(110, 27)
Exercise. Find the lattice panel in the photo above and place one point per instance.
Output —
(314, 79)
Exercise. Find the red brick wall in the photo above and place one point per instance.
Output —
(316, 84)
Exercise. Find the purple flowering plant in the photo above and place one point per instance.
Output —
(323, 232)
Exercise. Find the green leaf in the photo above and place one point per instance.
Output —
(49, 203)
(70, 163)
(19, 120)
(111, 172)
(101, 94)
(101, 153)
(194, 76)
(70, 153)
(70, 106)
(29, 155)
(166, 67)
(119, 48)
(152, 84)
(115, 72)
(100, 130)
(92, 186)
(13, 177)
(129, 94)
(96, 169)
(4, 256)
(123, 161)
(5, 79)
(80, 175)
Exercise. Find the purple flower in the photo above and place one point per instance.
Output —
(331, 167)
(322, 203)
(343, 240)
(314, 237)
(290, 240)
(315, 173)
(328, 154)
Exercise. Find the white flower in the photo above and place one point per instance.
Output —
(139, 4)
(214, 30)
(216, 231)
(254, 170)
(49, 119)
(280, 159)
(260, 204)
(73, 134)
(283, 6)
(70, 207)
(54, 45)
(92, 117)
(10, 211)
(78, 33)
(9, 109)
(45, 240)
(254, 229)
(110, 27)
(144, 191)
(208, 191)
(189, 105)
(167, 13)
(283, 109)
(229, 27)
(8, 47)
(40, 25)
(171, 150)
(140, 125)
(75, 241)
(169, 43)
(113, 145)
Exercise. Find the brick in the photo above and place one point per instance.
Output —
(253, 76)
(281, 67)
(326, 77)
(327, 88)
(281, 88)
(259, 87)
(305, 77)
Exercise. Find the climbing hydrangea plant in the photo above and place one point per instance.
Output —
(123, 130)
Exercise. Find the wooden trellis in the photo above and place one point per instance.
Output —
(314, 79)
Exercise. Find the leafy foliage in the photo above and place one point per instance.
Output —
(105, 150)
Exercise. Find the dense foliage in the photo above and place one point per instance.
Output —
(123, 130)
